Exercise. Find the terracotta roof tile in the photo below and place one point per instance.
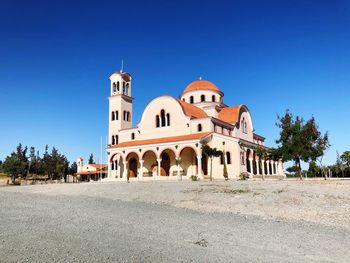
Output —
(201, 85)
(98, 166)
(230, 114)
(192, 111)
(162, 140)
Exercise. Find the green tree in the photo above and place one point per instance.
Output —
(91, 159)
(16, 163)
(211, 153)
(345, 157)
(299, 140)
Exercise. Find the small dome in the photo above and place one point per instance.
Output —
(201, 85)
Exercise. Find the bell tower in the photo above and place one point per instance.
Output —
(120, 104)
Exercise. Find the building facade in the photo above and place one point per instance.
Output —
(168, 141)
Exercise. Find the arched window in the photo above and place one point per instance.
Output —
(113, 115)
(127, 88)
(191, 100)
(116, 115)
(202, 98)
(221, 158)
(128, 116)
(184, 100)
(113, 140)
(116, 139)
(228, 157)
(213, 99)
(124, 115)
(168, 119)
(199, 127)
(118, 85)
(162, 118)
(123, 87)
(114, 87)
(157, 121)
(133, 136)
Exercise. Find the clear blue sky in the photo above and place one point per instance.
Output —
(56, 56)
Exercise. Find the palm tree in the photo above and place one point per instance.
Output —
(211, 152)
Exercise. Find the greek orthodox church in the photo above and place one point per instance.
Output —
(168, 141)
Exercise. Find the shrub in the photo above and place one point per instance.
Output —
(194, 178)
(244, 176)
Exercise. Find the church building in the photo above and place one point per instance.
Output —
(168, 141)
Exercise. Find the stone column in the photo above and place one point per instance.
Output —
(141, 170)
(158, 169)
(199, 161)
(109, 170)
(268, 167)
(125, 172)
(251, 166)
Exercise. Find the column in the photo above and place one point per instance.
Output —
(179, 177)
(251, 166)
(140, 176)
(268, 167)
(158, 169)
(257, 166)
(109, 170)
(125, 172)
(199, 161)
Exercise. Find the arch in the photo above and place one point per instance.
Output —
(133, 161)
(189, 163)
(167, 164)
(270, 168)
(274, 168)
(247, 161)
(199, 127)
(254, 163)
(265, 167)
(213, 98)
(191, 100)
(260, 166)
(150, 163)
(202, 98)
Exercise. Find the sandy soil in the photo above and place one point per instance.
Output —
(319, 201)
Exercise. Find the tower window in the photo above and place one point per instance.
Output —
(116, 115)
(199, 127)
(191, 100)
(213, 99)
(202, 98)
(113, 140)
(133, 136)
(113, 115)
(184, 100)
(116, 139)
(228, 157)
(114, 87)
(118, 86)
(128, 116)
(123, 87)
(127, 88)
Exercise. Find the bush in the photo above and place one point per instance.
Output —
(244, 176)
(194, 178)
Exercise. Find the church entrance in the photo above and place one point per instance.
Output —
(133, 167)
(165, 165)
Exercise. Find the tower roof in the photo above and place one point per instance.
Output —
(125, 75)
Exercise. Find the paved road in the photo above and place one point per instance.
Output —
(43, 228)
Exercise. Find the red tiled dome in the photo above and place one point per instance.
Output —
(201, 85)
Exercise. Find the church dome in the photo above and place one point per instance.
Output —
(201, 85)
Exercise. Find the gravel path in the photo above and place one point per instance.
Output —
(98, 223)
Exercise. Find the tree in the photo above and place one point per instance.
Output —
(17, 163)
(91, 159)
(225, 173)
(345, 157)
(299, 140)
(211, 152)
